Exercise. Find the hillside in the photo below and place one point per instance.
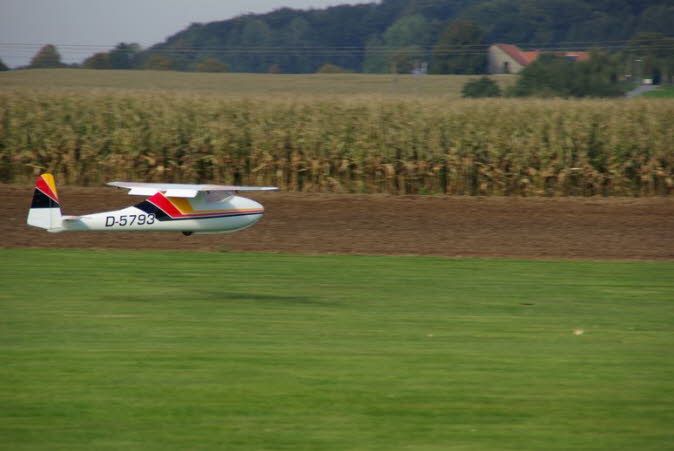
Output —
(367, 37)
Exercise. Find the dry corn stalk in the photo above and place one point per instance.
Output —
(491, 147)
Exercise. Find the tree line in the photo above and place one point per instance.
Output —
(449, 36)
(444, 36)
(435, 36)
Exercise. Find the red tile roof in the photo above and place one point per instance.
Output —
(514, 52)
(526, 58)
(531, 56)
(580, 56)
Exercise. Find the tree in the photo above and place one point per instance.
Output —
(48, 57)
(481, 87)
(123, 56)
(3, 67)
(657, 19)
(210, 65)
(556, 76)
(375, 60)
(98, 61)
(291, 40)
(406, 59)
(651, 55)
(159, 62)
(460, 50)
(400, 46)
(410, 30)
(255, 34)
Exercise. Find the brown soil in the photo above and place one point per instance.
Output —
(580, 228)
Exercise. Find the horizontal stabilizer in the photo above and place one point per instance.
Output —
(70, 218)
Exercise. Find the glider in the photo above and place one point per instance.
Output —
(169, 207)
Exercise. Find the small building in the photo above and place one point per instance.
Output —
(509, 59)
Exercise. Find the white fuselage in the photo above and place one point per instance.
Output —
(168, 214)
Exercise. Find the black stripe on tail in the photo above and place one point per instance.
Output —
(41, 200)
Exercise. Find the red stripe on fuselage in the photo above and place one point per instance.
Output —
(167, 207)
(162, 202)
(221, 213)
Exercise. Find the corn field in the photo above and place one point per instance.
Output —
(360, 144)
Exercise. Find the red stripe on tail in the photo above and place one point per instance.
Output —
(46, 189)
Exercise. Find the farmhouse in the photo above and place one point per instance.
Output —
(509, 59)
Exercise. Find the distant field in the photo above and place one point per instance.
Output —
(244, 84)
(662, 92)
(171, 350)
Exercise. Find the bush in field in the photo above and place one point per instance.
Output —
(328, 68)
(371, 145)
(482, 87)
(210, 65)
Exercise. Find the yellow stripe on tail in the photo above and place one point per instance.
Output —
(45, 211)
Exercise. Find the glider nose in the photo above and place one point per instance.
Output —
(253, 209)
(256, 206)
(257, 211)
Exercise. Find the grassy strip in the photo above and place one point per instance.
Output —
(170, 350)
(235, 84)
(662, 92)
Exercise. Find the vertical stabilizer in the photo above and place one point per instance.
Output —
(45, 211)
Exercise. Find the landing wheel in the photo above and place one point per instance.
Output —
(187, 233)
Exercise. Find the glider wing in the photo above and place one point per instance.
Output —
(181, 189)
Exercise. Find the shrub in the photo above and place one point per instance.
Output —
(210, 65)
(482, 87)
(328, 68)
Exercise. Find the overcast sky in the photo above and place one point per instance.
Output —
(26, 25)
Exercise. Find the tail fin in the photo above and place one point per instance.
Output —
(45, 211)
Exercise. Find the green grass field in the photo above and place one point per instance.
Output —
(662, 92)
(235, 84)
(170, 350)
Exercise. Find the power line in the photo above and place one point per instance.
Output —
(534, 45)
(13, 49)
(589, 42)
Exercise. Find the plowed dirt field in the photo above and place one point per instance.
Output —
(539, 228)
